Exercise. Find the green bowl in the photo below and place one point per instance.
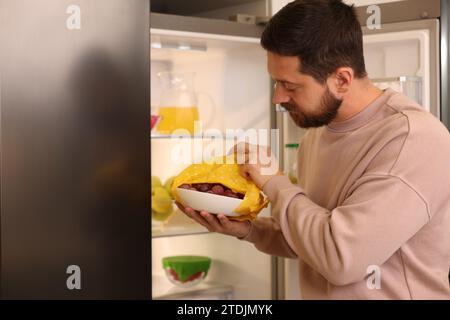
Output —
(186, 271)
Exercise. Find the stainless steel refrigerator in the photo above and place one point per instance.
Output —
(74, 96)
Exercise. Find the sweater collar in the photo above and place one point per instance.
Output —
(362, 117)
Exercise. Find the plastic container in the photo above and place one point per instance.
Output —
(186, 271)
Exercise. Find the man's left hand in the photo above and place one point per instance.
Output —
(256, 163)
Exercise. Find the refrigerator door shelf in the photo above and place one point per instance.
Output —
(280, 108)
(409, 86)
(170, 41)
(401, 53)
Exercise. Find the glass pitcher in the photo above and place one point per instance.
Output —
(178, 108)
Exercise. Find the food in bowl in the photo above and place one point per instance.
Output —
(214, 188)
(186, 271)
(219, 178)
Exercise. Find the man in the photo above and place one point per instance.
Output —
(374, 183)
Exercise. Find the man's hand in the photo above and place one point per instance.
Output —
(219, 223)
(256, 163)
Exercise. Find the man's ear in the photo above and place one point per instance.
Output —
(340, 81)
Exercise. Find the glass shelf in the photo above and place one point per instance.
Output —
(168, 136)
(205, 27)
(178, 224)
(163, 289)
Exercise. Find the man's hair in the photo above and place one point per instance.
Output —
(324, 34)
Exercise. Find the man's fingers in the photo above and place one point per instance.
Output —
(186, 210)
(180, 206)
(211, 219)
(245, 147)
(191, 213)
(224, 221)
(195, 215)
(251, 153)
(204, 218)
(241, 147)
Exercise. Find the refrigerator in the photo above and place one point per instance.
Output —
(74, 92)
(407, 53)
(78, 86)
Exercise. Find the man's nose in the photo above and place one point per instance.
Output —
(279, 95)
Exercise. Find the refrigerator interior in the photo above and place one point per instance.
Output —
(232, 72)
(400, 54)
(391, 58)
(217, 9)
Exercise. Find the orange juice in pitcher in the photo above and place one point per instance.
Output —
(178, 107)
(173, 118)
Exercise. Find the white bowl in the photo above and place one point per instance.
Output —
(212, 203)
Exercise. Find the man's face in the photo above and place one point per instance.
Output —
(310, 104)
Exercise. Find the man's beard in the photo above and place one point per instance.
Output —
(327, 112)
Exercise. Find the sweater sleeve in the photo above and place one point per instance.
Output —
(380, 213)
(265, 234)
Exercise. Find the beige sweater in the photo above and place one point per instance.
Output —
(374, 191)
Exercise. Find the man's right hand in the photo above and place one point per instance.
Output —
(217, 223)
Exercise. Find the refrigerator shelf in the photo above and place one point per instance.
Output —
(410, 86)
(215, 27)
(164, 290)
(178, 224)
(207, 137)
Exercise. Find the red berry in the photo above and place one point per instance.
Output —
(231, 194)
(194, 276)
(174, 274)
(203, 187)
(217, 189)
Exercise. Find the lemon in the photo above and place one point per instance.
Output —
(168, 185)
(162, 203)
(156, 182)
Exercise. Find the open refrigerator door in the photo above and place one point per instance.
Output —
(403, 56)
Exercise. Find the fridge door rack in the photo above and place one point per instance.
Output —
(410, 86)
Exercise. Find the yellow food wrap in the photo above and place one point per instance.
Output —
(224, 170)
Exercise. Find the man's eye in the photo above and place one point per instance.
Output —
(287, 86)
(290, 87)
